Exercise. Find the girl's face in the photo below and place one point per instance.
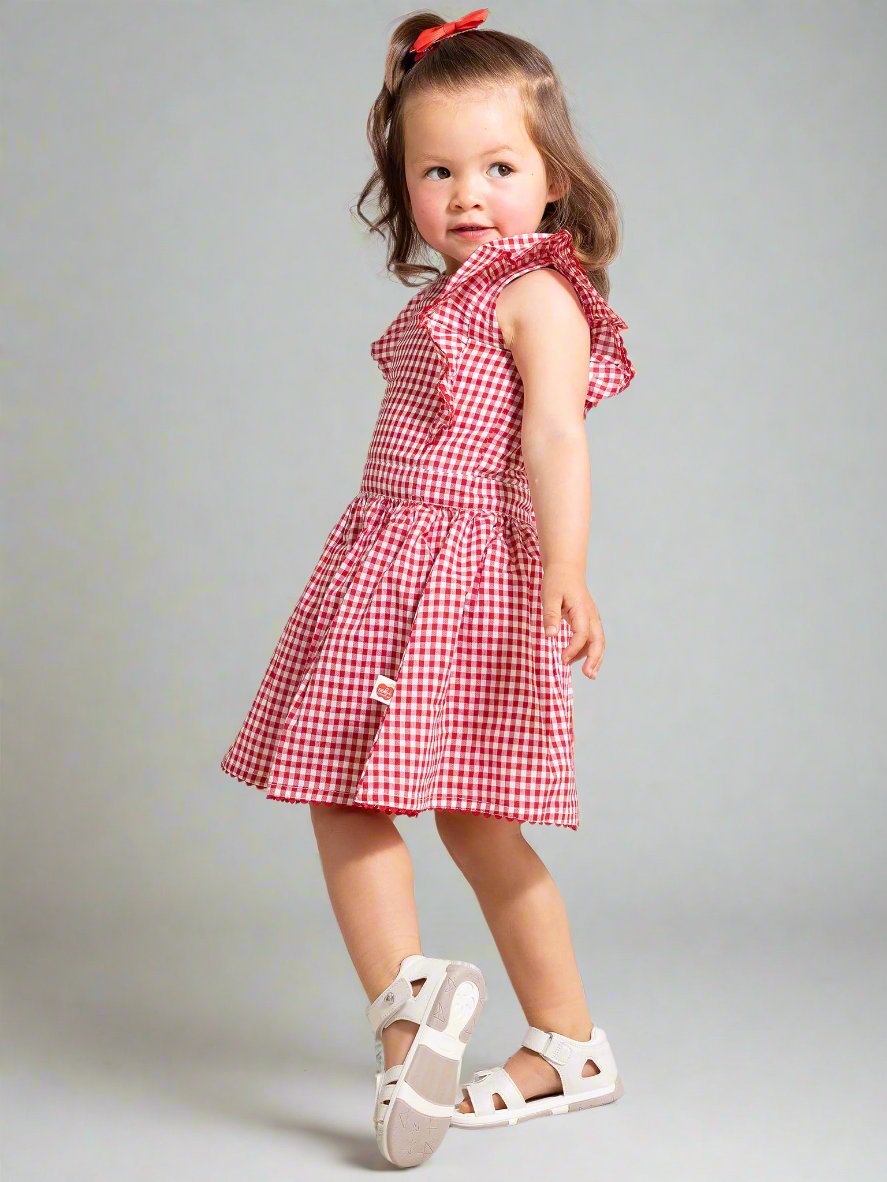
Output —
(469, 161)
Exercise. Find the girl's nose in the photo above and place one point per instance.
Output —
(464, 197)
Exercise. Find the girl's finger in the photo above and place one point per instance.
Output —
(551, 616)
(575, 648)
(580, 627)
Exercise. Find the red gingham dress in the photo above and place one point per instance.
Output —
(432, 578)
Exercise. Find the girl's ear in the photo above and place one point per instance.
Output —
(555, 192)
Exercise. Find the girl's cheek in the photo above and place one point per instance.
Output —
(425, 208)
(514, 203)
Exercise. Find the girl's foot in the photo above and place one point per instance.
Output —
(421, 1029)
(533, 1075)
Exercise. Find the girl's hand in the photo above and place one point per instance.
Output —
(565, 595)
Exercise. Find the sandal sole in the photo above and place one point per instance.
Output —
(408, 1135)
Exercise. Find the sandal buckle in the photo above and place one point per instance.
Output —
(556, 1050)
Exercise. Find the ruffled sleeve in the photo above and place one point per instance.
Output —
(383, 349)
(610, 369)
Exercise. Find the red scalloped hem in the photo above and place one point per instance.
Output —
(393, 812)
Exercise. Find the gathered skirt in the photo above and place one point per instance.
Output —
(414, 673)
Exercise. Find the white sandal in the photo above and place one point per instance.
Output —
(414, 1099)
(568, 1056)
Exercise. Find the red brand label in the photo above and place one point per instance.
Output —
(383, 689)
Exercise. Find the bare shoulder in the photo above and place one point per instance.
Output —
(544, 297)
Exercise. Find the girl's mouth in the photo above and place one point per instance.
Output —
(473, 231)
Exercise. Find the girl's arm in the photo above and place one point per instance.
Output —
(547, 332)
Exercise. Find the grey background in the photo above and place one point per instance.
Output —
(189, 398)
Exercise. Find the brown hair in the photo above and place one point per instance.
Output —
(477, 59)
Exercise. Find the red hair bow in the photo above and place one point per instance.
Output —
(429, 37)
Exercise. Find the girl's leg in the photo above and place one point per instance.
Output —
(369, 878)
(528, 920)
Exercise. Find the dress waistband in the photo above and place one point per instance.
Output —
(509, 497)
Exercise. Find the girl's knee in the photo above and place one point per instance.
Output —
(476, 840)
(332, 814)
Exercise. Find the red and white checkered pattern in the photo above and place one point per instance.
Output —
(432, 578)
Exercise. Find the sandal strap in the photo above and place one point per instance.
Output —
(386, 1081)
(557, 1049)
(480, 1073)
(397, 998)
(568, 1056)
(380, 1011)
(483, 1087)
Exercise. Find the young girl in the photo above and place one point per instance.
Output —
(427, 663)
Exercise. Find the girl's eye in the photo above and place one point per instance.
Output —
(498, 164)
